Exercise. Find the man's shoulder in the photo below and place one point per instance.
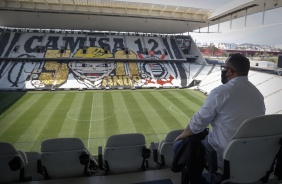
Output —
(221, 88)
(233, 83)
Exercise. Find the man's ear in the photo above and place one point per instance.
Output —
(232, 73)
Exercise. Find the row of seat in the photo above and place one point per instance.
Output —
(68, 157)
(252, 155)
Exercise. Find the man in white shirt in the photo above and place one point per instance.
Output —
(227, 106)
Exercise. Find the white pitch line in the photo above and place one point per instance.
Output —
(101, 119)
(170, 108)
(90, 122)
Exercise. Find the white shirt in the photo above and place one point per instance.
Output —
(226, 108)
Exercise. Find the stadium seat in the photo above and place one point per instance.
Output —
(65, 158)
(125, 153)
(13, 164)
(164, 155)
(250, 155)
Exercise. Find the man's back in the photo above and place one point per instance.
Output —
(237, 101)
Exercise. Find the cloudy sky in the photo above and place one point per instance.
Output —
(269, 33)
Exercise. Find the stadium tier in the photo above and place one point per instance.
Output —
(51, 61)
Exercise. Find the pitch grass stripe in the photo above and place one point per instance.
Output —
(179, 103)
(98, 117)
(60, 105)
(156, 120)
(90, 122)
(23, 122)
(174, 111)
(8, 99)
(110, 120)
(14, 113)
(84, 115)
(191, 97)
(124, 121)
(40, 122)
(187, 101)
(197, 94)
(162, 111)
(141, 122)
(71, 117)
(97, 134)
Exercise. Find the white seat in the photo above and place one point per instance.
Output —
(165, 148)
(123, 153)
(60, 158)
(252, 150)
(12, 164)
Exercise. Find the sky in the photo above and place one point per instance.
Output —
(255, 32)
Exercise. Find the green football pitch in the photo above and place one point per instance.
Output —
(26, 119)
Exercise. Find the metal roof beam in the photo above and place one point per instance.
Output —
(61, 4)
(163, 10)
(74, 5)
(19, 4)
(186, 12)
(126, 8)
(151, 9)
(139, 8)
(198, 12)
(174, 11)
(32, 3)
(3, 3)
(47, 4)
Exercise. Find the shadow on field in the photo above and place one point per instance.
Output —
(7, 99)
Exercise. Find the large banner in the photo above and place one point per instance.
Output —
(88, 74)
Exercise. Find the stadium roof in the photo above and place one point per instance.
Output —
(148, 16)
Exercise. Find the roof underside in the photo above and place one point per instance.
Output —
(127, 16)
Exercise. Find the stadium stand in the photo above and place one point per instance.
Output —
(273, 105)
(182, 73)
(206, 69)
(193, 70)
(125, 72)
(211, 81)
(268, 84)
(56, 59)
(270, 87)
(165, 65)
(258, 78)
(27, 74)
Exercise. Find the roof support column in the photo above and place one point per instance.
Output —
(231, 21)
(246, 17)
(263, 13)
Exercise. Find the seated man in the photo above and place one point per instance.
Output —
(227, 106)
